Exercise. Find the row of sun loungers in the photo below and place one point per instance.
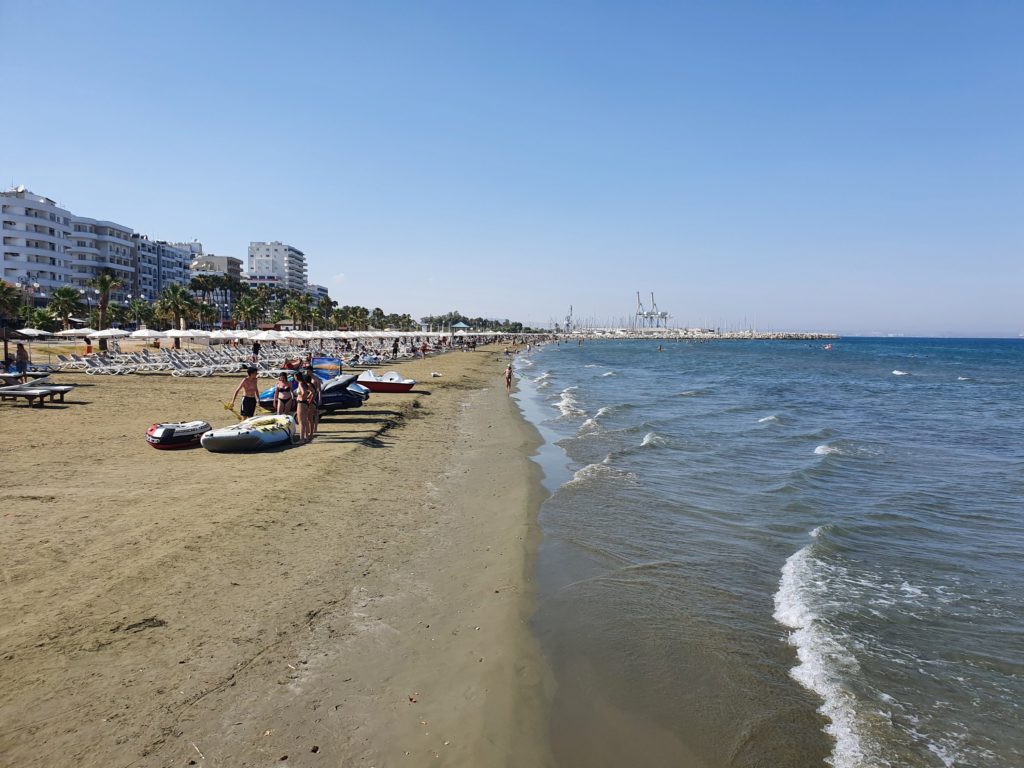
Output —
(207, 362)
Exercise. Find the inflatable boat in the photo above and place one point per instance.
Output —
(392, 381)
(253, 434)
(176, 435)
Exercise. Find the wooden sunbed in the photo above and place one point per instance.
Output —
(32, 393)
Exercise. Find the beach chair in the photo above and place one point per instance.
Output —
(28, 393)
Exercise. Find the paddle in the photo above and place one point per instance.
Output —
(227, 407)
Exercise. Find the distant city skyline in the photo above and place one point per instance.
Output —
(854, 168)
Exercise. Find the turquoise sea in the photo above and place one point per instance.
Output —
(773, 554)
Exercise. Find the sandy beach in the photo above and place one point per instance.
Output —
(361, 600)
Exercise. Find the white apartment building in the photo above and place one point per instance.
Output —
(277, 260)
(159, 264)
(317, 291)
(96, 245)
(36, 233)
(208, 264)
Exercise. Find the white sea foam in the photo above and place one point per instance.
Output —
(603, 411)
(608, 373)
(568, 404)
(900, 373)
(590, 425)
(823, 660)
(590, 365)
(964, 378)
(652, 438)
(543, 377)
(767, 419)
(601, 471)
(826, 449)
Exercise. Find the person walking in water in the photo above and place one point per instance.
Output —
(508, 378)
(250, 393)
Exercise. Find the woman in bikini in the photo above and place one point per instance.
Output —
(302, 395)
(282, 395)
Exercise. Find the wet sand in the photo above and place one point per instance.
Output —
(362, 600)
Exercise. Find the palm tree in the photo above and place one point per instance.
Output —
(377, 318)
(176, 302)
(207, 314)
(65, 302)
(249, 308)
(43, 319)
(297, 308)
(106, 281)
(140, 311)
(203, 286)
(324, 308)
(10, 300)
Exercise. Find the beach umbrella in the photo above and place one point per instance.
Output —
(109, 333)
(267, 336)
(76, 332)
(146, 333)
(34, 333)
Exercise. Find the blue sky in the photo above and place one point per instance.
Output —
(845, 166)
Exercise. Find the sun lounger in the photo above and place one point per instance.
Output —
(30, 394)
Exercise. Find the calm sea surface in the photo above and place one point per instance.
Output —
(772, 554)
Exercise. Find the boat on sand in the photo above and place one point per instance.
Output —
(392, 381)
(253, 434)
(174, 435)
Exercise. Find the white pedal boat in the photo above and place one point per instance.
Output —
(253, 434)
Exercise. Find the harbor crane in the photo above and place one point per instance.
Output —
(653, 317)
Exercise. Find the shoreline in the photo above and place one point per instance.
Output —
(366, 596)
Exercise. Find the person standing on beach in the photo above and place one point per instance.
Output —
(21, 362)
(283, 395)
(255, 351)
(314, 415)
(250, 393)
(303, 399)
(508, 378)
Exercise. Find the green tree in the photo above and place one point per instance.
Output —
(297, 308)
(176, 303)
(10, 300)
(249, 308)
(106, 281)
(324, 310)
(207, 314)
(203, 286)
(43, 319)
(140, 311)
(65, 302)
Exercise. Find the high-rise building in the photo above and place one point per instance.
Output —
(98, 245)
(277, 264)
(36, 233)
(46, 247)
(159, 264)
(317, 291)
(208, 264)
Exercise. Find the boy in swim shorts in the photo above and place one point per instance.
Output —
(250, 393)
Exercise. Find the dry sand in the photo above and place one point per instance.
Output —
(359, 601)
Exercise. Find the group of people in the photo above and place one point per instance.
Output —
(296, 394)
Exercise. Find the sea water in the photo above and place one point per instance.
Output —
(776, 554)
